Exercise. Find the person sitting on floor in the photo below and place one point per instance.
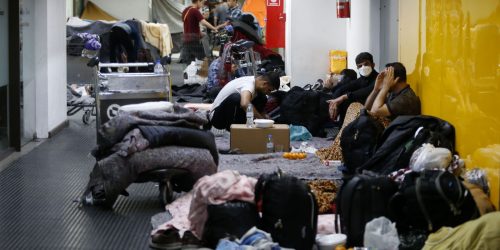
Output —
(356, 91)
(391, 95)
(232, 101)
(334, 82)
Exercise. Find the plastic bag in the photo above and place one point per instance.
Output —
(381, 234)
(305, 148)
(191, 69)
(478, 177)
(285, 83)
(299, 133)
(429, 157)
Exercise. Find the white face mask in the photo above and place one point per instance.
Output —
(365, 70)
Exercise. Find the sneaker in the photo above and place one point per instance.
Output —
(189, 241)
(166, 239)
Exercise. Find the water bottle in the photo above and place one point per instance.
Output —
(270, 144)
(249, 116)
(158, 67)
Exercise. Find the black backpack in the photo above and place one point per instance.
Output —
(289, 210)
(230, 219)
(361, 199)
(405, 135)
(306, 108)
(359, 141)
(431, 199)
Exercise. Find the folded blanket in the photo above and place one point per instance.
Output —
(115, 129)
(132, 142)
(116, 173)
(166, 135)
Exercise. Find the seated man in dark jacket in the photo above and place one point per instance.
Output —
(391, 95)
(357, 90)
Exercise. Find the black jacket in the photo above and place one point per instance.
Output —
(359, 89)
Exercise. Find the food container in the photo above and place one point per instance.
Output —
(330, 241)
(263, 123)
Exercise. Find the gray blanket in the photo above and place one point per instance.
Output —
(115, 129)
(115, 173)
(256, 164)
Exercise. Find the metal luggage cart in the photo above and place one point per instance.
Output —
(80, 75)
(117, 89)
(87, 105)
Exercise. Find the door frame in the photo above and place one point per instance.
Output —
(14, 77)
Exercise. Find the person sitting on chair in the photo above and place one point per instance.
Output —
(231, 103)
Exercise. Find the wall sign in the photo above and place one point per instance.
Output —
(273, 2)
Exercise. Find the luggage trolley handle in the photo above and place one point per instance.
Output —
(164, 62)
(117, 65)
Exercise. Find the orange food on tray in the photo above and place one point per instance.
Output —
(294, 155)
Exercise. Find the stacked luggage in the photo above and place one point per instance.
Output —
(409, 173)
(165, 145)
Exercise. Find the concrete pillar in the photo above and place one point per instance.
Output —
(312, 30)
(50, 65)
(363, 31)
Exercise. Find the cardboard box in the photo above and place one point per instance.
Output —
(253, 140)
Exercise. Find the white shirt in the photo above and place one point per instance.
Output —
(237, 85)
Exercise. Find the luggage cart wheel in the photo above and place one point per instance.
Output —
(166, 193)
(86, 117)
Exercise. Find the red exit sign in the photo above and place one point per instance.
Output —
(273, 2)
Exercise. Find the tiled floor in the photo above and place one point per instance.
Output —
(36, 200)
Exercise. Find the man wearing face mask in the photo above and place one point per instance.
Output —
(356, 91)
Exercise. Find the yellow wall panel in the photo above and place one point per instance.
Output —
(455, 65)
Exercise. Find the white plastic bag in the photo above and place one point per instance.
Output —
(191, 69)
(381, 234)
(284, 81)
(191, 74)
(429, 157)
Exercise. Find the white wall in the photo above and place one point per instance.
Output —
(69, 8)
(312, 30)
(363, 31)
(50, 60)
(126, 9)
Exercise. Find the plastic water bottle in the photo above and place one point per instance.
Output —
(249, 116)
(269, 144)
(158, 67)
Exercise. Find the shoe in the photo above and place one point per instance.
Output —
(189, 241)
(166, 239)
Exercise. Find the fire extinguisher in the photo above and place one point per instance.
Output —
(343, 8)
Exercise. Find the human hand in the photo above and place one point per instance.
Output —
(333, 109)
(338, 100)
(379, 81)
(389, 80)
